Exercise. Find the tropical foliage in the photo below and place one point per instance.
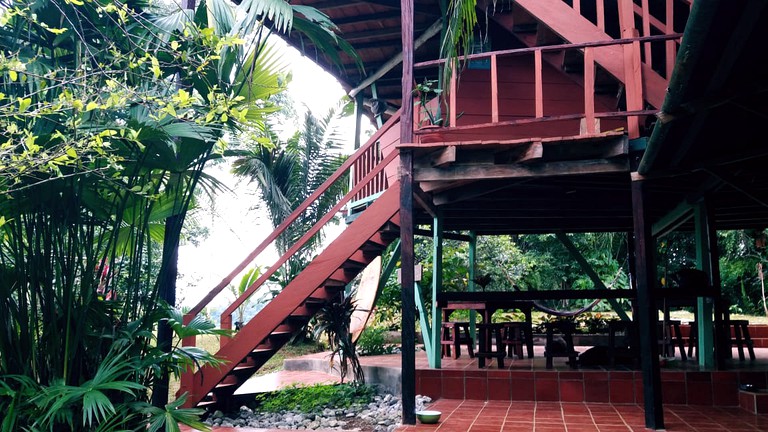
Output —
(287, 172)
(332, 322)
(108, 114)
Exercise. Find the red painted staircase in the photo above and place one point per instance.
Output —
(326, 276)
(551, 22)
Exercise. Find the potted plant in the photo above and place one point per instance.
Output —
(433, 117)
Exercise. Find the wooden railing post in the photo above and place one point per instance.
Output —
(671, 46)
(185, 381)
(538, 84)
(452, 95)
(633, 83)
(226, 324)
(494, 90)
(589, 91)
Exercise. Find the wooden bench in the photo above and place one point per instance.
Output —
(565, 328)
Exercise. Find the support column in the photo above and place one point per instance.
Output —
(408, 356)
(471, 282)
(706, 261)
(358, 118)
(647, 314)
(437, 285)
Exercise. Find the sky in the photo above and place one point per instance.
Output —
(235, 227)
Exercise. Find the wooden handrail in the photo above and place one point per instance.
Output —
(559, 47)
(309, 234)
(293, 216)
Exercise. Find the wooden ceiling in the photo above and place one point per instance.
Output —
(711, 142)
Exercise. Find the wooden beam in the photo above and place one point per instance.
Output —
(670, 221)
(489, 171)
(359, 19)
(407, 258)
(750, 16)
(438, 186)
(424, 201)
(443, 157)
(553, 294)
(396, 60)
(734, 182)
(647, 314)
(533, 153)
(469, 192)
(590, 271)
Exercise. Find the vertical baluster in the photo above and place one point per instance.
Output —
(494, 90)
(633, 83)
(589, 90)
(647, 31)
(670, 44)
(188, 374)
(452, 105)
(577, 6)
(600, 6)
(539, 86)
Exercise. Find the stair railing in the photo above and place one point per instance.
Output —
(651, 23)
(373, 173)
(589, 114)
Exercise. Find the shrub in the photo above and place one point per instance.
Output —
(308, 399)
(373, 342)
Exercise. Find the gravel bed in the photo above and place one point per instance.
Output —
(383, 414)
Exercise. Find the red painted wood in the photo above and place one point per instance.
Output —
(646, 17)
(589, 90)
(539, 86)
(452, 94)
(670, 45)
(292, 217)
(600, 7)
(564, 21)
(494, 90)
(294, 295)
(302, 241)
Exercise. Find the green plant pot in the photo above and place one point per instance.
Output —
(428, 417)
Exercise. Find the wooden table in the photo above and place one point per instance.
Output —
(486, 308)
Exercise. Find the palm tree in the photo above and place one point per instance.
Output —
(107, 122)
(290, 171)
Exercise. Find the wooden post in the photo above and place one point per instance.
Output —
(670, 45)
(538, 84)
(646, 17)
(589, 91)
(494, 90)
(408, 356)
(633, 83)
(437, 284)
(706, 256)
(471, 282)
(600, 6)
(647, 314)
(358, 117)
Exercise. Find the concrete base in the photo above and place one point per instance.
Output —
(387, 378)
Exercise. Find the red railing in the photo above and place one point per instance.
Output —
(364, 164)
(363, 182)
(632, 84)
(659, 21)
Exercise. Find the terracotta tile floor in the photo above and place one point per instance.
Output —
(479, 416)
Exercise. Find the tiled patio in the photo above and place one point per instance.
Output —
(524, 396)
(496, 416)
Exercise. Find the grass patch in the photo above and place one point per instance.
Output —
(309, 399)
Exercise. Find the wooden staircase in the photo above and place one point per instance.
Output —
(551, 22)
(321, 281)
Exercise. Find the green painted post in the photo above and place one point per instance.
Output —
(471, 282)
(437, 284)
(704, 304)
(426, 331)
